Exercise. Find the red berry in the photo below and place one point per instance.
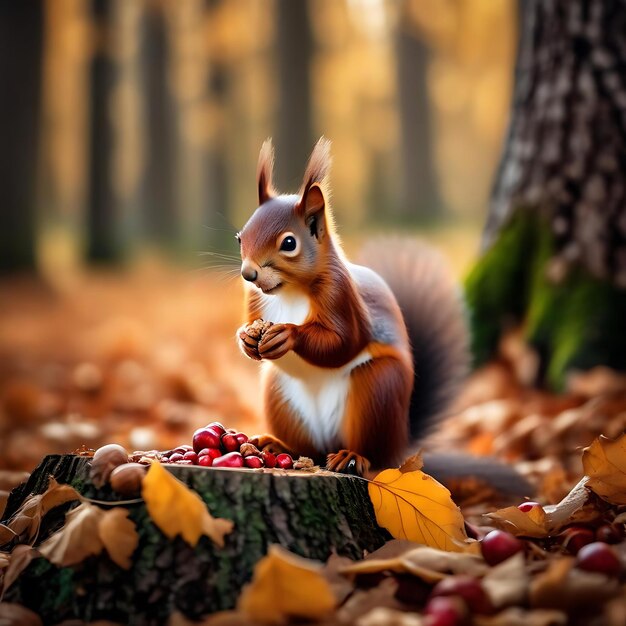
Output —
(230, 443)
(184, 462)
(469, 589)
(177, 456)
(284, 461)
(598, 557)
(232, 459)
(269, 459)
(212, 452)
(190, 455)
(528, 506)
(253, 461)
(498, 545)
(241, 438)
(575, 537)
(442, 611)
(610, 533)
(205, 460)
(205, 438)
(217, 427)
(165, 459)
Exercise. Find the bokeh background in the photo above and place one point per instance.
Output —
(132, 129)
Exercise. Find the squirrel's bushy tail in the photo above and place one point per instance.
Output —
(432, 306)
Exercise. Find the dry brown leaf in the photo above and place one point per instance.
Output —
(516, 616)
(57, 494)
(18, 615)
(413, 463)
(4, 496)
(507, 583)
(19, 559)
(78, 539)
(429, 564)
(414, 506)
(568, 588)
(525, 524)
(286, 586)
(177, 510)
(119, 536)
(382, 616)
(222, 618)
(361, 602)
(26, 521)
(604, 461)
(340, 585)
(6, 534)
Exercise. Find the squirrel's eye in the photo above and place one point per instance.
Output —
(288, 244)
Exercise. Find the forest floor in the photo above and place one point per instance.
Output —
(144, 358)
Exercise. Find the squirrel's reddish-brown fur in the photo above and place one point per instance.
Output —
(339, 379)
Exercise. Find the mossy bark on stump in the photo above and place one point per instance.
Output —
(555, 240)
(311, 515)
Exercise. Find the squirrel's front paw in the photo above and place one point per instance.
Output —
(347, 462)
(277, 341)
(249, 337)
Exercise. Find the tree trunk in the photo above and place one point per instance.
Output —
(555, 240)
(294, 137)
(160, 223)
(21, 34)
(103, 221)
(309, 514)
(419, 195)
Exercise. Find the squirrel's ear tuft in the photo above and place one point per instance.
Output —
(264, 170)
(318, 166)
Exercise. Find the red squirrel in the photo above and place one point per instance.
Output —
(359, 361)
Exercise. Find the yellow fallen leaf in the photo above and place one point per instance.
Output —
(119, 536)
(177, 510)
(414, 506)
(78, 539)
(604, 461)
(286, 586)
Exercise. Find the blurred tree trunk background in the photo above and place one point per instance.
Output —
(133, 124)
(104, 244)
(419, 193)
(554, 254)
(294, 134)
(21, 46)
(160, 222)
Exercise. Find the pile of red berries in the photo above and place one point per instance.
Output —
(216, 446)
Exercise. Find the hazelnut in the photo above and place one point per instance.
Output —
(105, 460)
(127, 479)
(249, 449)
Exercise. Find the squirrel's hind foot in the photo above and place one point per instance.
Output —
(347, 462)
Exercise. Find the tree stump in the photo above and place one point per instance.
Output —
(310, 514)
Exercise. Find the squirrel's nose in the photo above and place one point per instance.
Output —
(249, 273)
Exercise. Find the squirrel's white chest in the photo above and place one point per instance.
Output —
(317, 395)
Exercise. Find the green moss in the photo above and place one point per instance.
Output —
(496, 289)
(575, 324)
